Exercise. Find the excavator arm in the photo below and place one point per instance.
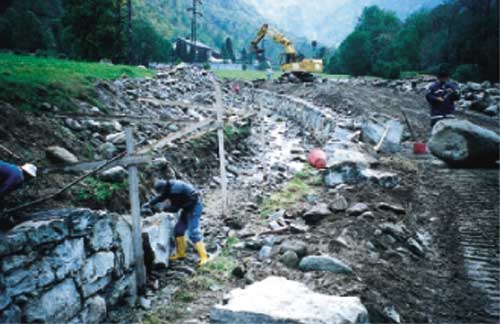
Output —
(276, 36)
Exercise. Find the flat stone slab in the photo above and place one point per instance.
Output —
(278, 300)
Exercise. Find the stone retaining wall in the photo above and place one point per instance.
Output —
(69, 265)
(312, 118)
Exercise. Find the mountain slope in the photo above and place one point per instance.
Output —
(327, 21)
(221, 19)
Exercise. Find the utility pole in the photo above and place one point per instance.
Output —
(129, 31)
(194, 9)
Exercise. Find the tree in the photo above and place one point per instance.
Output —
(355, 53)
(90, 28)
(230, 50)
(148, 46)
(27, 33)
(244, 56)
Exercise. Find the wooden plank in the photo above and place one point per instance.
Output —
(220, 134)
(128, 118)
(140, 270)
(175, 136)
(85, 166)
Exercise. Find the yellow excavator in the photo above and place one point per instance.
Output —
(292, 64)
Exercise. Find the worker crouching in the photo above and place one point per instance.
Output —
(183, 197)
(12, 177)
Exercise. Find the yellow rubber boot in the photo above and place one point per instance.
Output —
(180, 249)
(200, 247)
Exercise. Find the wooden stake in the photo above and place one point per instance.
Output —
(382, 139)
(140, 270)
(10, 152)
(220, 135)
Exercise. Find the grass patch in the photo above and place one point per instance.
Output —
(409, 74)
(184, 297)
(100, 190)
(28, 81)
(235, 133)
(251, 75)
(248, 75)
(221, 267)
(295, 190)
(332, 76)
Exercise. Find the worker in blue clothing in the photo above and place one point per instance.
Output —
(12, 177)
(182, 196)
(442, 96)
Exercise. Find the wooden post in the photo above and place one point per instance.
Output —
(220, 135)
(140, 270)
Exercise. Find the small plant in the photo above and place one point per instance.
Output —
(184, 297)
(100, 190)
(90, 151)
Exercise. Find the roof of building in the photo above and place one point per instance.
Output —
(197, 44)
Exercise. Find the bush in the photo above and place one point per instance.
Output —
(387, 70)
(467, 72)
(206, 66)
(409, 74)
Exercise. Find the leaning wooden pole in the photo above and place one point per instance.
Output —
(220, 134)
(140, 270)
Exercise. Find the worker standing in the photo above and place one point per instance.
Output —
(12, 177)
(182, 196)
(442, 96)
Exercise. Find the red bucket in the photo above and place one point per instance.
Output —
(317, 159)
(419, 148)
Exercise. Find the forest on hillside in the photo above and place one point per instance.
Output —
(86, 30)
(460, 36)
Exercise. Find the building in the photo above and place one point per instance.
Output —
(204, 52)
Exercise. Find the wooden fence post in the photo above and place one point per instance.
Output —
(220, 135)
(140, 269)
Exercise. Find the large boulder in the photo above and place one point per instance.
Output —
(278, 300)
(373, 133)
(324, 263)
(461, 143)
(156, 237)
(316, 214)
(352, 173)
(59, 154)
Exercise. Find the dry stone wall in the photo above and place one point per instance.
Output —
(69, 265)
(318, 122)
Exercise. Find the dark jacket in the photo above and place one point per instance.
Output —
(182, 195)
(440, 90)
(11, 178)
